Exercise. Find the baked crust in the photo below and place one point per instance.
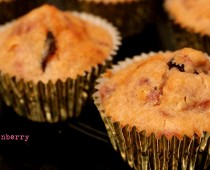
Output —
(50, 44)
(163, 93)
(193, 15)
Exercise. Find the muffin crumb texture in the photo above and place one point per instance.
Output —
(165, 93)
(50, 44)
(193, 15)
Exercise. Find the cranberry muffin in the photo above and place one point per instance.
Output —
(161, 110)
(185, 23)
(49, 60)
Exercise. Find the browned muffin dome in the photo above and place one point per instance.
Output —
(163, 93)
(49, 44)
(193, 15)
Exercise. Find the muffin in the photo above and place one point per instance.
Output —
(156, 109)
(185, 24)
(131, 17)
(50, 59)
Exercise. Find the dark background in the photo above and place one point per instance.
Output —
(76, 144)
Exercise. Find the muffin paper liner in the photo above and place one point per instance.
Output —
(53, 102)
(144, 152)
(130, 17)
(174, 36)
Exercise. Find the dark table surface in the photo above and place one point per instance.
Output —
(76, 144)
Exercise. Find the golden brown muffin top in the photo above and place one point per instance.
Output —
(165, 93)
(48, 43)
(193, 15)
